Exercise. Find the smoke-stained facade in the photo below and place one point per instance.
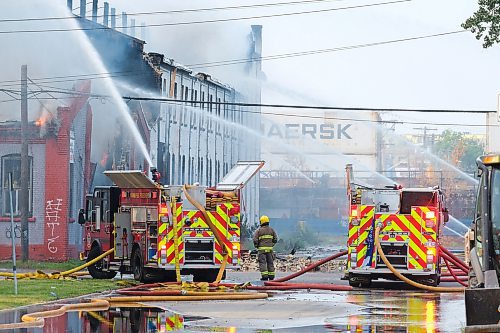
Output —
(59, 155)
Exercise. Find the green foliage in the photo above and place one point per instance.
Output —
(43, 265)
(298, 238)
(38, 291)
(459, 149)
(485, 23)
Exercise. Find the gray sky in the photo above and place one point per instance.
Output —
(444, 72)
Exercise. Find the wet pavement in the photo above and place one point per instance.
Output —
(386, 308)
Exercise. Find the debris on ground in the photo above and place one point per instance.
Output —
(290, 263)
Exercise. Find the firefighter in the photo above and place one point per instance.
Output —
(264, 239)
(156, 175)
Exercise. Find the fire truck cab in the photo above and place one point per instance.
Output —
(156, 230)
(412, 220)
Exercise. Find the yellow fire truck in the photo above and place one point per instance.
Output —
(156, 230)
(412, 220)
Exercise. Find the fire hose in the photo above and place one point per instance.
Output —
(453, 274)
(36, 319)
(454, 259)
(41, 275)
(215, 231)
(404, 278)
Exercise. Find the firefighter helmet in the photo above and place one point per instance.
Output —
(264, 219)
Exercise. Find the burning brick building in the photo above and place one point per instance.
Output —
(60, 174)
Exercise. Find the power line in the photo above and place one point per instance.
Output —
(209, 21)
(181, 11)
(54, 79)
(297, 106)
(266, 113)
(313, 52)
(278, 106)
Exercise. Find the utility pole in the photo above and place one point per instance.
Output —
(25, 177)
(425, 142)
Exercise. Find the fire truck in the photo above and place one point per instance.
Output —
(411, 219)
(160, 232)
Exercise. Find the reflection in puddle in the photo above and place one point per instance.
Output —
(392, 312)
(140, 320)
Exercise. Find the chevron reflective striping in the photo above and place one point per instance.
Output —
(429, 232)
(416, 250)
(367, 215)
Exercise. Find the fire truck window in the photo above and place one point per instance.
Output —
(410, 199)
(89, 209)
(105, 206)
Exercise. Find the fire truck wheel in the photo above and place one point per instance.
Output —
(138, 266)
(96, 270)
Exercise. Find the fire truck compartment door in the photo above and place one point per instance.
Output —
(239, 175)
(123, 236)
(130, 179)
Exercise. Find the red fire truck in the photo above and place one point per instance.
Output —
(155, 229)
(412, 220)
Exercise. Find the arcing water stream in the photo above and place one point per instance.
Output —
(94, 57)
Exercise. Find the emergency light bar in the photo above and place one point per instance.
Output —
(491, 159)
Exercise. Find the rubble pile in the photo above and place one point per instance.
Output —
(291, 263)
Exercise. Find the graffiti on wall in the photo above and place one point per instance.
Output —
(52, 210)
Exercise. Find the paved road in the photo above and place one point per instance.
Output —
(387, 307)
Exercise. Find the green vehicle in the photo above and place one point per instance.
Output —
(482, 296)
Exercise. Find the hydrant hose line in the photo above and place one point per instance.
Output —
(404, 278)
(65, 273)
(453, 274)
(215, 231)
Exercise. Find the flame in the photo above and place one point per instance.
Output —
(104, 159)
(44, 118)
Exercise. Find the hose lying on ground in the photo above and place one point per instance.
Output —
(41, 275)
(36, 319)
(320, 286)
(452, 279)
(404, 278)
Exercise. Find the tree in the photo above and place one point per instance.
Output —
(459, 149)
(485, 23)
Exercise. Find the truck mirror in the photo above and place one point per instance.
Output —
(446, 215)
(81, 217)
